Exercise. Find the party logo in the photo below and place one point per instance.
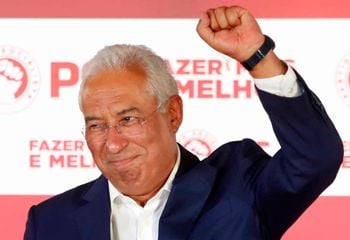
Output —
(343, 79)
(199, 142)
(19, 79)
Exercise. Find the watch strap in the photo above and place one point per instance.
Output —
(259, 55)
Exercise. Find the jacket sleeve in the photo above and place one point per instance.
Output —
(29, 233)
(306, 164)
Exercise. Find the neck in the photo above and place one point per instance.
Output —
(144, 197)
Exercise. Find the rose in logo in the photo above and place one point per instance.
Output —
(19, 79)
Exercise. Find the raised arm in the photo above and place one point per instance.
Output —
(311, 149)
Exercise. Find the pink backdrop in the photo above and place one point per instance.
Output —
(327, 217)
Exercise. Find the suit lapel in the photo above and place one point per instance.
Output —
(93, 215)
(190, 190)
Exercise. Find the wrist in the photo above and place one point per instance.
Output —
(269, 67)
(255, 58)
(264, 63)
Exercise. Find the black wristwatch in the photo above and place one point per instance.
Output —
(251, 62)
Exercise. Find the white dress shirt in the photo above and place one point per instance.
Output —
(130, 221)
(281, 85)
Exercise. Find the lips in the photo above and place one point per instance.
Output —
(121, 161)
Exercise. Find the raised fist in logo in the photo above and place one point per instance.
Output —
(12, 78)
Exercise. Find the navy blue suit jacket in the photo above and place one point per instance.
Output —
(237, 193)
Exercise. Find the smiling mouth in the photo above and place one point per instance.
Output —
(121, 162)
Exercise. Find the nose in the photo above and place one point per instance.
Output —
(115, 142)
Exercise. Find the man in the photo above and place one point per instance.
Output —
(152, 188)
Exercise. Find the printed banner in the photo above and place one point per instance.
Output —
(42, 148)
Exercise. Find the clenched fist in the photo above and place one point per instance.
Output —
(235, 32)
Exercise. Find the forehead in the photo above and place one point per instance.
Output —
(116, 78)
(126, 86)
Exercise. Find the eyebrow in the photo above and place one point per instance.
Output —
(127, 110)
(120, 113)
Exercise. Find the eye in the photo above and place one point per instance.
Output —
(94, 127)
(128, 120)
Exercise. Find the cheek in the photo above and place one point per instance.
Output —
(95, 150)
(157, 140)
(160, 129)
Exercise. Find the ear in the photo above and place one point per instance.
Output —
(175, 111)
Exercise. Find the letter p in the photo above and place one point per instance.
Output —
(63, 74)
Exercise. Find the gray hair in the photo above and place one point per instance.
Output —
(123, 56)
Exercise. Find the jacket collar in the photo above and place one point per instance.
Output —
(93, 213)
(190, 190)
(191, 187)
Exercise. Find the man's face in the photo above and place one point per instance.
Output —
(138, 163)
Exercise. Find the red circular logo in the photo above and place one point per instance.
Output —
(199, 142)
(19, 79)
(343, 79)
